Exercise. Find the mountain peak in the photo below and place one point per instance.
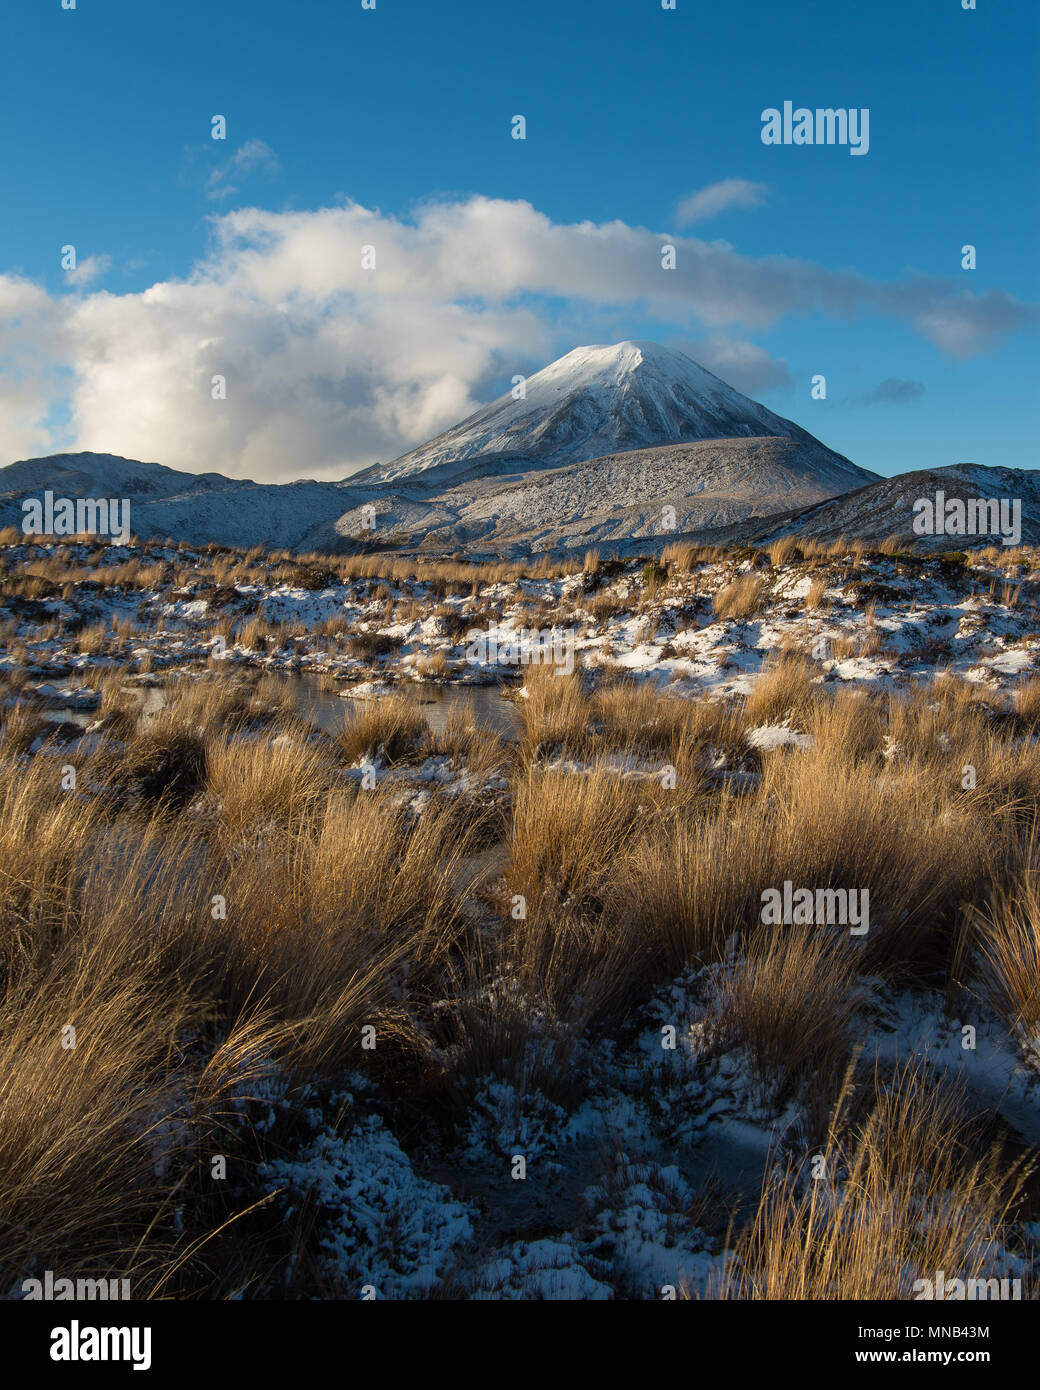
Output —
(630, 352)
(629, 349)
(596, 400)
(637, 365)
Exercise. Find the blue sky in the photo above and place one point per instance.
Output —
(405, 110)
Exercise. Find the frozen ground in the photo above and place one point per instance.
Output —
(635, 1154)
(877, 622)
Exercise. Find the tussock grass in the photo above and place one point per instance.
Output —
(900, 1198)
(900, 834)
(688, 886)
(848, 726)
(277, 694)
(739, 599)
(1027, 701)
(555, 716)
(220, 908)
(1003, 935)
(165, 761)
(482, 752)
(815, 598)
(791, 1002)
(435, 667)
(818, 822)
(207, 705)
(265, 780)
(783, 689)
(45, 834)
(389, 728)
(606, 604)
(20, 727)
(783, 551)
(633, 715)
(567, 830)
(78, 1123)
(111, 926)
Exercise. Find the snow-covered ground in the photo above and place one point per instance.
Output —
(637, 1148)
(877, 622)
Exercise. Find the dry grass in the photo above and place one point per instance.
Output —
(1027, 701)
(739, 599)
(791, 1002)
(818, 586)
(389, 728)
(605, 605)
(113, 927)
(783, 551)
(900, 1198)
(20, 727)
(783, 689)
(567, 830)
(207, 705)
(435, 667)
(77, 1123)
(220, 903)
(1004, 936)
(274, 693)
(92, 641)
(846, 727)
(632, 715)
(264, 781)
(555, 715)
(479, 750)
(915, 845)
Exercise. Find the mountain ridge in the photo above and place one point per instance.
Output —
(520, 474)
(883, 509)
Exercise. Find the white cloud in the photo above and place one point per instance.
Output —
(745, 365)
(254, 155)
(31, 353)
(330, 366)
(720, 197)
(87, 270)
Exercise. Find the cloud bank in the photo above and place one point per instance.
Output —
(345, 335)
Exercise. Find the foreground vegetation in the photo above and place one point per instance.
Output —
(248, 980)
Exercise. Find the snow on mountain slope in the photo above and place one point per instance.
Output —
(280, 515)
(193, 507)
(614, 499)
(605, 438)
(886, 508)
(598, 401)
(104, 475)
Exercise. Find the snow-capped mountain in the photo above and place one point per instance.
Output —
(598, 401)
(887, 508)
(609, 445)
(106, 475)
(193, 507)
